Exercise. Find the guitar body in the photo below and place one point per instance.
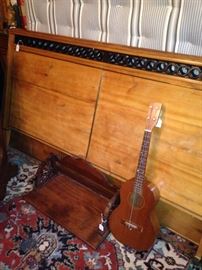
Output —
(134, 222)
(136, 225)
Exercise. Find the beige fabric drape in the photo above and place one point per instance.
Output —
(167, 25)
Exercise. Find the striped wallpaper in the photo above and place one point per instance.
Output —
(167, 25)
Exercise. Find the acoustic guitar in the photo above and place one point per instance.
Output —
(134, 221)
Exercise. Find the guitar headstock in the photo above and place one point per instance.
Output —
(153, 117)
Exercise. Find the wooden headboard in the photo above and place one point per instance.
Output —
(90, 99)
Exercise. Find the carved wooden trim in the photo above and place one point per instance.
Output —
(115, 58)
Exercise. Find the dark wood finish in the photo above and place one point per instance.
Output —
(3, 42)
(139, 230)
(31, 146)
(3, 55)
(6, 169)
(3, 49)
(81, 171)
(80, 200)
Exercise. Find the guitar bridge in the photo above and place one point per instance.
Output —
(132, 226)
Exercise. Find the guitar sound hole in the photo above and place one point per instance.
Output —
(136, 200)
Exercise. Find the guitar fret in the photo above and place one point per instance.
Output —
(140, 173)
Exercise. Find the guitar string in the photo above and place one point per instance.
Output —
(144, 150)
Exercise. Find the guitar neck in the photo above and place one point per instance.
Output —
(142, 162)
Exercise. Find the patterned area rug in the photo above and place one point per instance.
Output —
(30, 240)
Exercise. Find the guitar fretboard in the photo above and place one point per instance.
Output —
(142, 162)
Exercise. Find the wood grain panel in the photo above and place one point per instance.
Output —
(56, 108)
(53, 104)
(65, 78)
(174, 163)
(179, 221)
